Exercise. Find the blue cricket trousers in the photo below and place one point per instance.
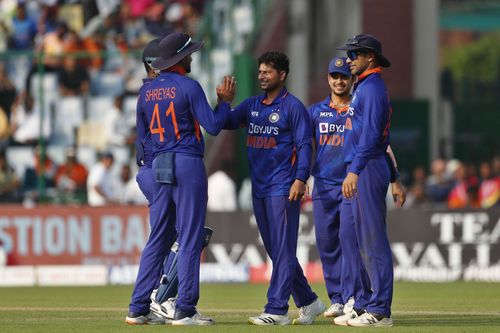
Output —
(183, 207)
(278, 223)
(369, 214)
(146, 182)
(327, 199)
(353, 267)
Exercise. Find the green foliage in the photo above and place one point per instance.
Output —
(478, 61)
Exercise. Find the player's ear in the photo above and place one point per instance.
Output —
(372, 57)
(282, 75)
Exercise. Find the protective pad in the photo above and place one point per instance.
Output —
(164, 168)
(169, 282)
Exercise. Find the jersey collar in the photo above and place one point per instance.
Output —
(369, 72)
(328, 101)
(175, 69)
(281, 96)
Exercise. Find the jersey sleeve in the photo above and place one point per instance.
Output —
(310, 112)
(391, 162)
(300, 122)
(374, 121)
(238, 116)
(142, 126)
(211, 120)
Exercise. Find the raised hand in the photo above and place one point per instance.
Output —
(226, 90)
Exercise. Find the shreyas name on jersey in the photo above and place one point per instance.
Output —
(159, 94)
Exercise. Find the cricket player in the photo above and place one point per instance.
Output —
(161, 312)
(172, 107)
(279, 153)
(368, 176)
(164, 295)
(335, 233)
(329, 119)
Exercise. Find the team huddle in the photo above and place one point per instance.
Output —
(353, 166)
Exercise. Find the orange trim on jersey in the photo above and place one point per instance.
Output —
(339, 110)
(197, 132)
(385, 134)
(369, 72)
(177, 69)
(294, 156)
(268, 102)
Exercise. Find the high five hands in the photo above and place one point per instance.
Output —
(226, 90)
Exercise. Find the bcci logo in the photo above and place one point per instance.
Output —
(274, 117)
(339, 63)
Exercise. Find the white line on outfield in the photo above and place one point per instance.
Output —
(108, 309)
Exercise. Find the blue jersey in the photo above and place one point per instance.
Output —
(143, 141)
(329, 126)
(278, 141)
(172, 107)
(371, 118)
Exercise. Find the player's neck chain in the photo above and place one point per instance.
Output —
(340, 105)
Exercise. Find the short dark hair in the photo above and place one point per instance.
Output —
(278, 60)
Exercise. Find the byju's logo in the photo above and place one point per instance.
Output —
(323, 128)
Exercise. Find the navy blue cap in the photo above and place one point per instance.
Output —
(339, 65)
(152, 51)
(366, 42)
(173, 48)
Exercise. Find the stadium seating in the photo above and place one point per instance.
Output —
(20, 158)
(68, 114)
(98, 107)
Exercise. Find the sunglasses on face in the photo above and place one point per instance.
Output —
(353, 55)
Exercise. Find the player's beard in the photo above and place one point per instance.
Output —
(269, 86)
(186, 63)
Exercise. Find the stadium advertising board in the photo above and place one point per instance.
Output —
(73, 235)
(427, 245)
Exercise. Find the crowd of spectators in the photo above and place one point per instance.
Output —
(450, 184)
(69, 182)
(79, 44)
(84, 40)
(80, 40)
(455, 184)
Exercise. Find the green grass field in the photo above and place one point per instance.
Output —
(417, 307)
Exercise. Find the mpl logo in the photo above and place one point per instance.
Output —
(323, 128)
(326, 114)
(255, 114)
